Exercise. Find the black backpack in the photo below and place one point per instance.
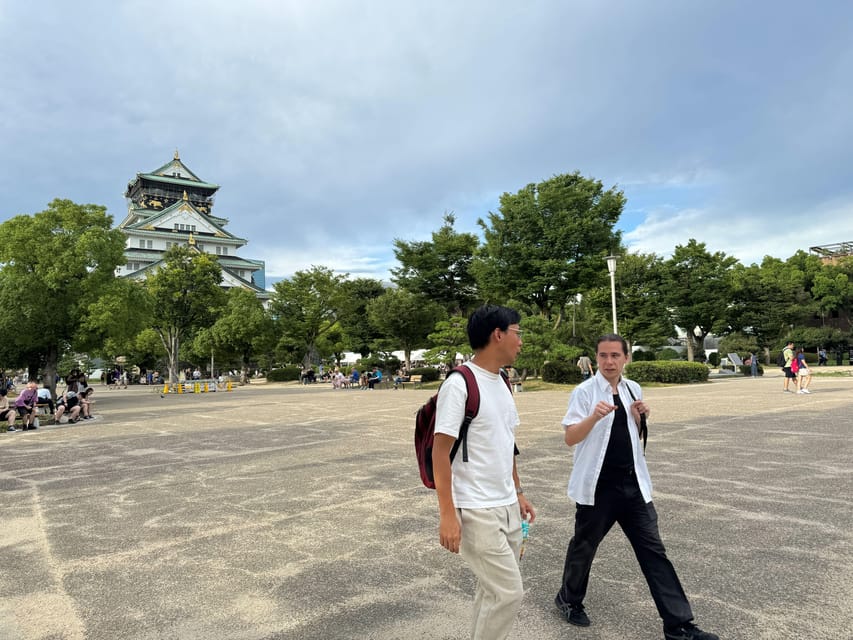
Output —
(781, 360)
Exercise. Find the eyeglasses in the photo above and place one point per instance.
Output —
(517, 331)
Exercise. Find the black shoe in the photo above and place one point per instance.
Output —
(688, 631)
(574, 613)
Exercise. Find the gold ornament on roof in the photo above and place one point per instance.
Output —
(177, 157)
(191, 241)
(185, 196)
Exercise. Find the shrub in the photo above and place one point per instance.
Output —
(642, 356)
(746, 369)
(714, 359)
(668, 354)
(430, 374)
(283, 375)
(669, 372)
(561, 372)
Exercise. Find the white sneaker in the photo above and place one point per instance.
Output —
(806, 391)
(801, 391)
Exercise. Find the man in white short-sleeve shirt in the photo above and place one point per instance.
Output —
(481, 502)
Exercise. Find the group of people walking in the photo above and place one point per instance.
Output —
(482, 503)
(797, 369)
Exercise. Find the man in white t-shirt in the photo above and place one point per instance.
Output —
(481, 502)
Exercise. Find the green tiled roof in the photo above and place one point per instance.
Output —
(180, 181)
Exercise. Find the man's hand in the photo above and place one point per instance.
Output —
(526, 508)
(450, 533)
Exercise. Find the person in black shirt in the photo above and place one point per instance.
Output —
(607, 414)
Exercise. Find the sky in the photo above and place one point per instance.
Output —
(335, 127)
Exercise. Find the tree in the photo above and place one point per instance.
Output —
(548, 243)
(54, 265)
(766, 301)
(405, 318)
(186, 295)
(449, 338)
(541, 344)
(439, 270)
(699, 292)
(642, 314)
(243, 329)
(359, 334)
(304, 308)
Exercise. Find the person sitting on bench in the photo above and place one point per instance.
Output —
(375, 376)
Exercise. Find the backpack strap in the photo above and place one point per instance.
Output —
(644, 430)
(472, 408)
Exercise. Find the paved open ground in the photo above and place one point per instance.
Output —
(279, 512)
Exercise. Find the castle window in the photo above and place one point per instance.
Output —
(150, 244)
(224, 251)
(142, 244)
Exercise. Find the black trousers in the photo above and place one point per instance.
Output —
(618, 499)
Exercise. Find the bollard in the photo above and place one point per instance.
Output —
(166, 388)
(196, 388)
(180, 388)
(228, 387)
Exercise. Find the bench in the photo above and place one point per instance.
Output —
(415, 380)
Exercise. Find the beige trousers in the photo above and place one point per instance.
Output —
(491, 539)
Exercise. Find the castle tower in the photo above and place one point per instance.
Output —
(171, 205)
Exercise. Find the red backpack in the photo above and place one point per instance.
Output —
(425, 425)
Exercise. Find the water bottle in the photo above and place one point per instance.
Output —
(525, 534)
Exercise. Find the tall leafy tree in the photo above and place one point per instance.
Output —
(53, 265)
(186, 296)
(405, 318)
(449, 338)
(699, 291)
(304, 308)
(244, 329)
(359, 334)
(767, 300)
(548, 241)
(641, 309)
(439, 270)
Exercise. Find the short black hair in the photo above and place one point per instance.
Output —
(612, 337)
(486, 319)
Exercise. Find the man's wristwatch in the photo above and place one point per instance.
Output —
(519, 490)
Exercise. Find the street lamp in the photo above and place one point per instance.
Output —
(611, 267)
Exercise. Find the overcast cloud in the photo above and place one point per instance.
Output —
(334, 127)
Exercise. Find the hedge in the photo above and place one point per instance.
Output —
(561, 372)
(668, 371)
(429, 374)
(283, 375)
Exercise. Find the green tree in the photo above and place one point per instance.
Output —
(244, 329)
(439, 270)
(359, 334)
(53, 265)
(541, 343)
(449, 338)
(642, 315)
(186, 296)
(547, 243)
(699, 292)
(304, 308)
(404, 318)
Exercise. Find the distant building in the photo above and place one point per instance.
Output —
(831, 253)
(172, 206)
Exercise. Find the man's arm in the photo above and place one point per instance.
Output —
(523, 504)
(449, 531)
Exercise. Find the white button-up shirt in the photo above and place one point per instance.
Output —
(589, 452)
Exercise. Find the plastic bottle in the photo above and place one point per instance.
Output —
(525, 534)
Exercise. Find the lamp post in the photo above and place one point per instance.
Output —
(611, 267)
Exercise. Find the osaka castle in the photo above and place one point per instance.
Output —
(173, 206)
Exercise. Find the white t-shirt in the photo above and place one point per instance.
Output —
(486, 479)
